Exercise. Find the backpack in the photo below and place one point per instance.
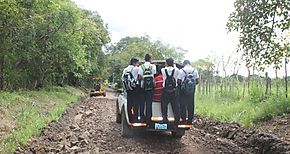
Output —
(170, 82)
(188, 85)
(147, 82)
(128, 80)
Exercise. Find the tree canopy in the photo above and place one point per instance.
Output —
(264, 30)
(49, 42)
(129, 47)
(54, 43)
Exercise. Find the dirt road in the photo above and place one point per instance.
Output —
(89, 127)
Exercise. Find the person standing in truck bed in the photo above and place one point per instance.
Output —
(158, 85)
(146, 75)
(131, 85)
(169, 93)
(187, 79)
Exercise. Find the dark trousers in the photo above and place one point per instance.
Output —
(187, 104)
(131, 105)
(171, 98)
(140, 103)
(147, 99)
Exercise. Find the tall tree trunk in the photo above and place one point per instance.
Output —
(203, 87)
(277, 86)
(267, 83)
(206, 86)
(209, 86)
(2, 63)
(199, 85)
(249, 79)
(286, 78)
(231, 86)
(215, 86)
(226, 86)
(244, 88)
(270, 86)
(238, 84)
(221, 87)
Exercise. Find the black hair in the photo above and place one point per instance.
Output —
(186, 62)
(133, 61)
(158, 68)
(147, 57)
(169, 62)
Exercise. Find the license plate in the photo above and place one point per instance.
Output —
(160, 126)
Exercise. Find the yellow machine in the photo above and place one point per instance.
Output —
(98, 87)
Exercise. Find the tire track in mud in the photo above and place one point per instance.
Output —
(89, 127)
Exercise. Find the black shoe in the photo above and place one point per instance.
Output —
(189, 122)
(165, 119)
(182, 122)
(176, 123)
(148, 121)
(142, 120)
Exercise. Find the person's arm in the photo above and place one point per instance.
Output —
(176, 72)
(124, 71)
(179, 77)
(163, 76)
(153, 69)
(140, 71)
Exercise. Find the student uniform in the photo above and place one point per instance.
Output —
(169, 97)
(132, 105)
(187, 101)
(146, 96)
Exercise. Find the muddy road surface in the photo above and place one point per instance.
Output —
(89, 127)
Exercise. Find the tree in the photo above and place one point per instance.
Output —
(262, 25)
(128, 47)
(49, 42)
(205, 69)
(10, 20)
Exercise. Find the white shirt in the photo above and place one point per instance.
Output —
(188, 69)
(146, 65)
(133, 69)
(169, 71)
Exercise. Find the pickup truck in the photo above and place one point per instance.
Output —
(131, 129)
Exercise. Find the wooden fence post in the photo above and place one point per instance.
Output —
(266, 83)
(286, 79)
(2, 63)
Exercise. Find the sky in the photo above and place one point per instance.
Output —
(198, 26)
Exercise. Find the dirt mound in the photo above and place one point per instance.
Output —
(280, 126)
(251, 139)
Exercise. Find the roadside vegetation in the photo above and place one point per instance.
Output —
(263, 49)
(247, 100)
(246, 111)
(24, 113)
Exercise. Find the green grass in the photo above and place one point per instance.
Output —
(246, 111)
(32, 110)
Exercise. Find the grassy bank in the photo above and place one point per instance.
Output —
(24, 113)
(245, 111)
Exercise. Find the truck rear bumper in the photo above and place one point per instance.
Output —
(159, 126)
